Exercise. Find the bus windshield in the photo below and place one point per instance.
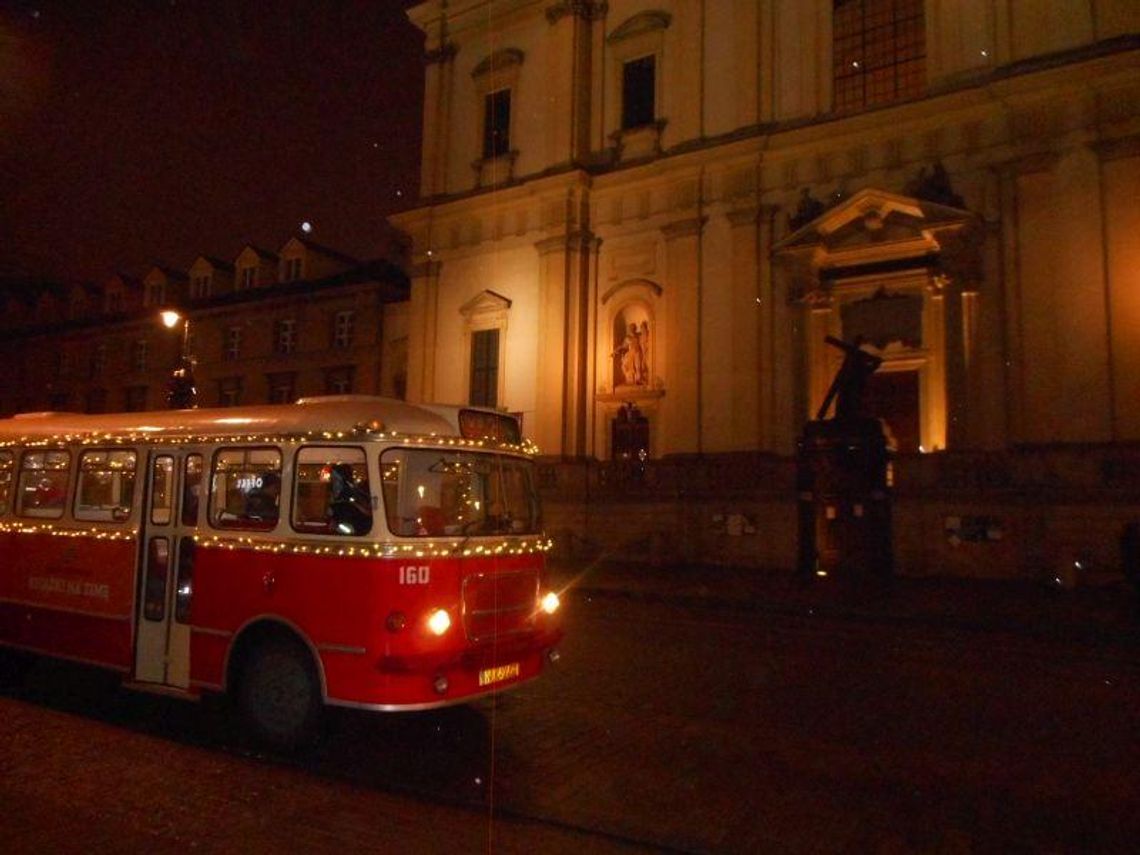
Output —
(433, 493)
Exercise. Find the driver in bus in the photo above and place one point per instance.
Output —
(349, 510)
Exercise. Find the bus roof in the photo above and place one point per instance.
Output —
(330, 416)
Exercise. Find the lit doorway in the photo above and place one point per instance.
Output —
(893, 397)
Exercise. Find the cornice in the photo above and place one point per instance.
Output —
(444, 53)
(684, 228)
(576, 241)
(587, 10)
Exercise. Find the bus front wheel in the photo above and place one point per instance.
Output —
(279, 696)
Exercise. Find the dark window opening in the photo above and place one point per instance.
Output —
(497, 123)
(638, 92)
(484, 368)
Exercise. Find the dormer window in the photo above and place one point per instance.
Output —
(497, 123)
(638, 92)
(200, 287)
(248, 277)
(155, 293)
(292, 269)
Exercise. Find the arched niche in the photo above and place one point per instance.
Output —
(628, 338)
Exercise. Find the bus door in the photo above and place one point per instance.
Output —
(162, 647)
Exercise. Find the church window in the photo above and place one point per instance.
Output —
(484, 368)
(879, 52)
(638, 90)
(496, 123)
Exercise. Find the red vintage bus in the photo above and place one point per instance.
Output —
(355, 551)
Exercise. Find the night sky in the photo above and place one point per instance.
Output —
(134, 132)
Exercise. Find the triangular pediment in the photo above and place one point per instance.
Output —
(873, 225)
(205, 264)
(484, 302)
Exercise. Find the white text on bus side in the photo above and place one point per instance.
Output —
(415, 575)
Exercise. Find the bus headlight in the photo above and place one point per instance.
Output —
(439, 621)
(550, 603)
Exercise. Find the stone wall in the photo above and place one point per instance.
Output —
(1053, 513)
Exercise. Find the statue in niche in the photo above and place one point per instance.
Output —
(633, 355)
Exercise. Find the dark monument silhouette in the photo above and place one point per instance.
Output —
(181, 391)
(841, 478)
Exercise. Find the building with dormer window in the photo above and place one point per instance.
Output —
(341, 327)
(209, 277)
(163, 286)
(301, 258)
(254, 267)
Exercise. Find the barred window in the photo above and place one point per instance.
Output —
(879, 52)
(232, 345)
(138, 356)
(343, 323)
(284, 336)
(282, 387)
(338, 380)
(229, 392)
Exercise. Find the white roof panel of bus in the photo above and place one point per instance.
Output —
(308, 416)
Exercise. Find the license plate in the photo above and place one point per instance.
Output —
(498, 674)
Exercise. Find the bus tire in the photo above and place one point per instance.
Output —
(279, 695)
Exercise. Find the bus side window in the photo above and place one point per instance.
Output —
(43, 484)
(191, 488)
(162, 490)
(7, 463)
(245, 488)
(105, 489)
(331, 493)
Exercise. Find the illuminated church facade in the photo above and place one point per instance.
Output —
(651, 213)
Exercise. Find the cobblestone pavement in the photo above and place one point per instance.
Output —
(85, 769)
(671, 724)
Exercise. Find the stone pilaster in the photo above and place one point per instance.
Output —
(423, 319)
(565, 367)
(681, 408)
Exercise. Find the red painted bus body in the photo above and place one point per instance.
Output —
(393, 558)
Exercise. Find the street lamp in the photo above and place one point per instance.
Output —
(181, 393)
